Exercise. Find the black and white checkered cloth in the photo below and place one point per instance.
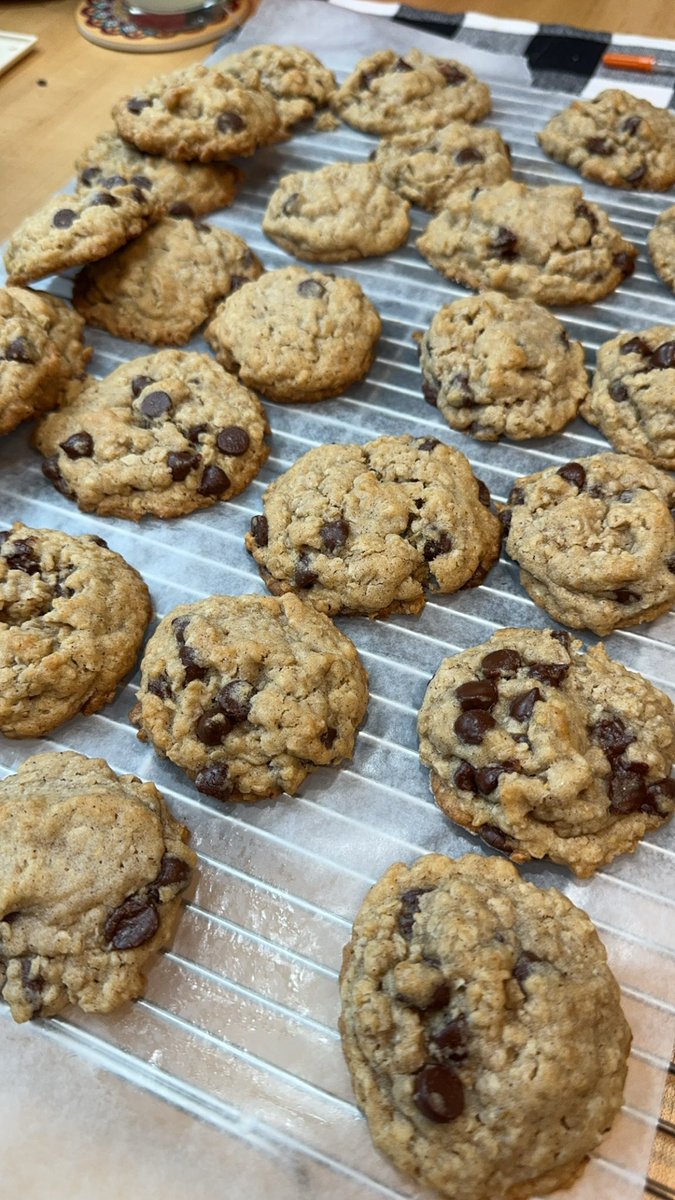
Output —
(560, 58)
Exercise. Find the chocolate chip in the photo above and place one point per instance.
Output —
(505, 517)
(230, 122)
(625, 262)
(450, 1041)
(505, 244)
(401, 65)
(131, 924)
(573, 473)
(618, 391)
(453, 75)
(524, 964)
(214, 780)
(99, 540)
(160, 686)
(137, 104)
(182, 209)
(631, 125)
(367, 77)
(561, 636)
(63, 218)
(410, 903)
(625, 596)
(501, 664)
(439, 1094)
(50, 470)
(435, 546)
(661, 793)
(78, 445)
(233, 440)
(612, 736)
(468, 154)
(304, 577)
(172, 869)
(460, 381)
(89, 175)
(430, 391)
(311, 287)
(212, 727)
(663, 356)
(195, 431)
(438, 999)
(328, 737)
(290, 205)
(600, 146)
(235, 699)
(487, 778)
(179, 626)
(32, 985)
(636, 175)
(483, 493)
(551, 673)
(21, 557)
(479, 694)
(584, 211)
(193, 667)
(214, 482)
(522, 707)
(496, 838)
(334, 533)
(516, 496)
(472, 726)
(627, 787)
(635, 345)
(429, 444)
(142, 181)
(259, 530)
(105, 198)
(111, 181)
(181, 462)
(465, 777)
(670, 563)
(138, 383)
(155, 404)
(20, 351)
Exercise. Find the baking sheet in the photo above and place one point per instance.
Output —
(238, 1025)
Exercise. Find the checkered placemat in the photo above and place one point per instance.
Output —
(560, 58)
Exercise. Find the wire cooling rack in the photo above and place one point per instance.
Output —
(239, 1022)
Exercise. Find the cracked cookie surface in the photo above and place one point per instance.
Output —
(296, 335)
(428, 165)
(366, 528)
(248, 694)
(616, 139)
(165, 284)
(546, 751)
(336, 214)
(595, 541)
(297, 80)
(482, 1028)
(548, 243)
(72, 618)
(92, 865)
(165, 434)
(632, 400)
(496, 367)
(389, 93)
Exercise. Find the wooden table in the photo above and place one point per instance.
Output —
(58, 98)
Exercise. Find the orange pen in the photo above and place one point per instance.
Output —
(646, 63)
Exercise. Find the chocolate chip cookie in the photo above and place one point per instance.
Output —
(199, 114)
(633, 396)
(428, 165)
(249, 694)
(173, 188)
(482, 1028)
(41, 353)
(71, 230)
(546, 751)
(548, 243)
(298, 82)
(661, 246)
(365, 529)
(163, 286)
(388, 93)
(296, 335)
(72, 618)
(339, 213)
(615, 139)
(165, 434)
(496, 367)
(92, 865)
(595, 541)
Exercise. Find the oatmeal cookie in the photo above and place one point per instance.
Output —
(297, 80)
(428, 165)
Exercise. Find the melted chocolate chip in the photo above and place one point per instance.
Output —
(195, 431)
(618, 391)
(212, 727)
(573, 473)
(131, 924)
(663, 356)
(625, 262)
(78, 445)
(524, 964)
(179, 626)
(311, 287)
(304, 576)
(160, 686)
(213, 482)
(290, 205)
(193, 667)
(20, 351)
(468, 154)
(522, 706)
(233, 440)
(450, 1041)
(627, 787)
(435, 546)
(551, 673)
(516, 496)
(155, 404)
(142, 181)
(625, 596)
(137, 104)
(660, 794)
(138, 383)
(64, 218)
(501, 664)
(182, 209)
(465, 778)
(334, 533)
(631, 125)
(438, 999)
(367, 77)
(479, 694)
(230, 122)
(401, 65)
(483, 493)
(172, 869)
(89, 175)
(487, 778)
(235, 699)
(636, 175)
(430, 391)
(472, 726)
(328, 737)
(600, 146)
(612, 736)
(429, 444)
(410, 903)
(505, 244)
(439, 1093)
(21, 557)
(259, 530)
(50, 470)
(497, 838)
(584, 211)
(214, 780)
(99, 540)
(453, 75)
(181, 462)
(635, 345)
(106, 198)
